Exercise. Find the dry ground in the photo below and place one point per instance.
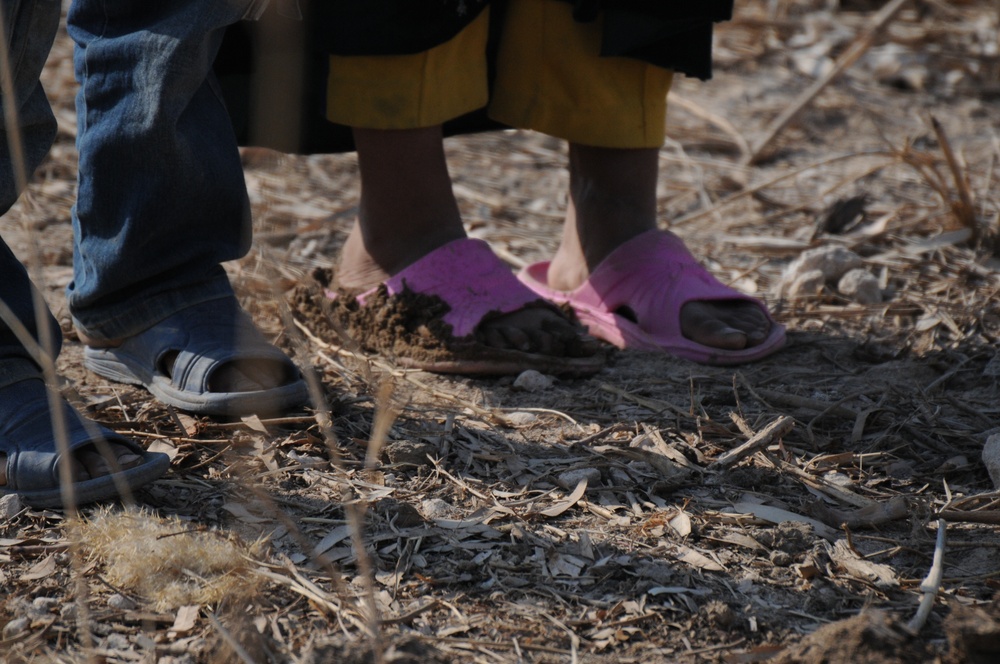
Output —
(597, 520)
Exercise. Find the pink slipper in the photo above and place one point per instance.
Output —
(427, 315)
(653, 275)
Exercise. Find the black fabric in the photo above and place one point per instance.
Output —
(391, 27)
(295, 123)
(673, 35)
(669, 34)
(669, 10)
(238, 69)
(683, 45)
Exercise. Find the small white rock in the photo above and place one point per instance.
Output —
(520, 418)
(807, 284)
(991, 458)
(833, 262)
(120, 602)
(571, 478)
(532, 381)
(861, 286)
(117, 642)
(68, 611)
(15, 627)
(435, 508)
(10, 506)
(42, 606)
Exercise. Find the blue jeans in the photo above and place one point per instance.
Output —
(30, 28)
(162, 200)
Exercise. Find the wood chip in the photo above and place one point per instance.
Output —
(568, 502)
(776, 515)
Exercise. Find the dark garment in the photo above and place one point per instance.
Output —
(669, 34)
(390, 27)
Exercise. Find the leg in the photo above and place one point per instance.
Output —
(28, 333)
(547, 64)
(612, 200)
(152, 124)
(408, 209)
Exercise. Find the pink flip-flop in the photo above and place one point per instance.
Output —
(471, 286)
(651, 277)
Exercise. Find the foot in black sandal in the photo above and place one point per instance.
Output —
(30, 459)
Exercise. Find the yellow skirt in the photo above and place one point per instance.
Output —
(550, 78)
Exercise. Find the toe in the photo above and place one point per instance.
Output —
(719, 335)
(751, 320)
(758, 335)
(583, 345)
(727, 325)
(493, 337)
(92, 464)
(233, 378)
(515, 338)
(571, 338)
(247, 376)
(544, 342)
(541, 331)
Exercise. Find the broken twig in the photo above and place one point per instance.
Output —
(932, 584)
(763, 438)
(991, 517)
(964, 209)
(875, 514)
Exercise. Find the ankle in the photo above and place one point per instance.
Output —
(366, 262)
(567, 270)
(97, 342)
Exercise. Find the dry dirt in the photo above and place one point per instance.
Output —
(443, 519)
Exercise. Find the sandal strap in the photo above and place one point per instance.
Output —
(471, 279)
(27, 437)
(220, 334)
(198, 340)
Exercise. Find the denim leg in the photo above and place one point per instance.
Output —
(162, 200)
(30, 28)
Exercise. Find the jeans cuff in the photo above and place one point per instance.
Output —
(15, 369)
(131, 318)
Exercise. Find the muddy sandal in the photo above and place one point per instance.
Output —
(32, 462)
(428, 316)
(176, 358)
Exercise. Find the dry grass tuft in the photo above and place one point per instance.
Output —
(167, 562)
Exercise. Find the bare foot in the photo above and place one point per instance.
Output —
(92, 463)
(240, 375)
